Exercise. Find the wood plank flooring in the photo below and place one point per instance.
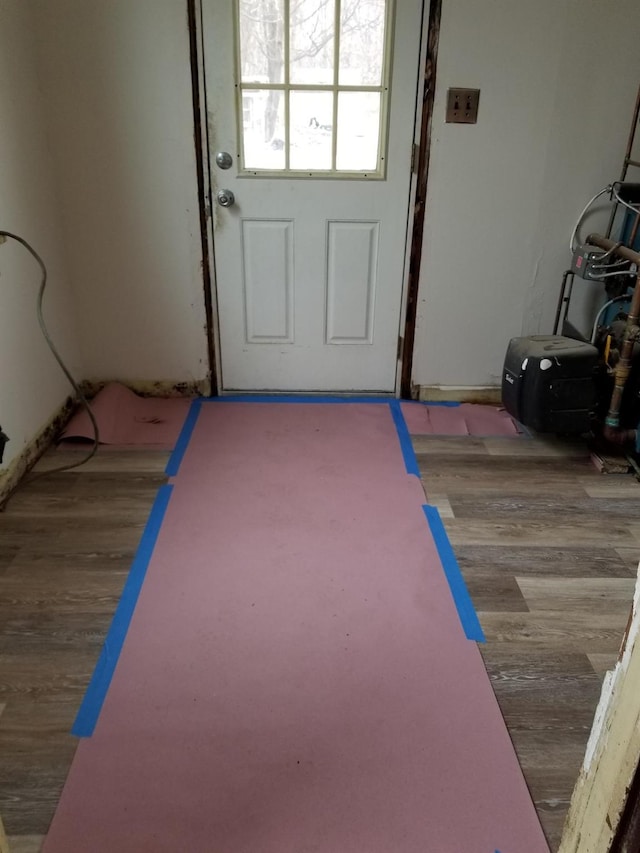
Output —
(68, 541)
(547, 545)
(549, 550)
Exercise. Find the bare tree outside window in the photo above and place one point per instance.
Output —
(312, 43)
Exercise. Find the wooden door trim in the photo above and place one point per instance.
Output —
(204, 188)
(419, 207)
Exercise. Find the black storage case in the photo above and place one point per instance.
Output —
(548, 383)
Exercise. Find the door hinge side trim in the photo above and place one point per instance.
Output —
(400, 349)
(415, 155)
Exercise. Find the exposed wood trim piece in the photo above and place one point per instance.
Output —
(424, 152)
(10, 477)
(490, 394)
(204, 202)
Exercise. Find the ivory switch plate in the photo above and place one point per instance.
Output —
(462, 106)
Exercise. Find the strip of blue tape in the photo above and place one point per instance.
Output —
(297, 398)
(183, 439)
(91, 706)
(406, 445)
(464, 604)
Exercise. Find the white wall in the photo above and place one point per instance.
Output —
(558, 80)
(116, 79)
(31, 385)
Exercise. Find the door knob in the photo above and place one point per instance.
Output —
(224, 160)
(225, 198)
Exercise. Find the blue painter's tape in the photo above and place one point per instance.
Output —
(298, 398)
(451, 404)
(406, 445)
(91, 706)
(183, 439)
(459, 591)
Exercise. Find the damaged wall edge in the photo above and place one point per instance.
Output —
(21, 464)
(613, 753)
(153, 387)
(11, 476)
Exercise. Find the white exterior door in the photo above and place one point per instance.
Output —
(314, 101)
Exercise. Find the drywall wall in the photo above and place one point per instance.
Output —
(117, 87)
(558, 80)
(32, 387)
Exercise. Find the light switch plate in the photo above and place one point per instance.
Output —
(462, 106)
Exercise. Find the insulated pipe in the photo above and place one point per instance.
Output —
(613, 247)
(612, 430)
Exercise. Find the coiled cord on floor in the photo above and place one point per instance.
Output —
(43, 328)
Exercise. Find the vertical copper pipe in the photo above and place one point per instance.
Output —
(634, 230)
(612, 422)
(623, 368)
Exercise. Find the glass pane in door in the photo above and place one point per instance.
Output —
(311, 118)
(358, 131)
(261, 40)
(311, 50)
(362, 28)
(263, 128)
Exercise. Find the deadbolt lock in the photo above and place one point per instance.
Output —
(224, 160)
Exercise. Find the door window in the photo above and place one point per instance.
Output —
(312, 87)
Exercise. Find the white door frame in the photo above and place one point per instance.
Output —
(203, 142)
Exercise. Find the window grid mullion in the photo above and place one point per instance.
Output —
(336, 80)
(287, 89)
(312, 87)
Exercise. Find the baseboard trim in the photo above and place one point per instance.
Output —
(489, 394)
(11, 476)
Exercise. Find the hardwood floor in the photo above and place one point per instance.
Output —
(548, 547)
(549, 550)
(68, 541)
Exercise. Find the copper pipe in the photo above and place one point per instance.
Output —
(634, 230)
(612, 431)
(615, 248)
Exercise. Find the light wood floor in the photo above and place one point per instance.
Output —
(549, 549)
(547, 545)
(66, 544)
